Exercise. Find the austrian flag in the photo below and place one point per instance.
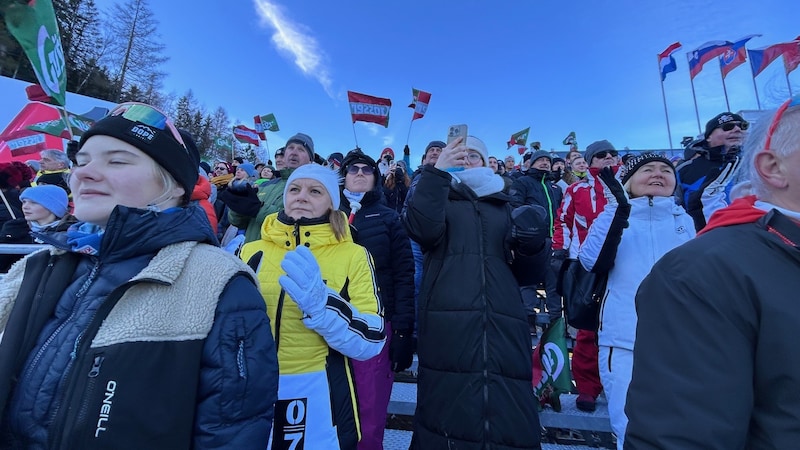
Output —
(245, 135)
(366, 108)
(419, 103)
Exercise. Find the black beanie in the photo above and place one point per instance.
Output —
(357, 156)
(721, 119)
(638, 161)
(158, 144)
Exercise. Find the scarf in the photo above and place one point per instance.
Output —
(84, 238)
(222, 180)
(355, 202)
(482, 180)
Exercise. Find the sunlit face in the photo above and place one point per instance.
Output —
(493, 163)
(719, 136)
(35, 212)
(654, 179)
(296, 155)
(111, 172)
(306, 197)
(359, 181)
(240, 174)
(579, 164)
(542, 164)
(266, 172)
(220, 169)
(432, 156)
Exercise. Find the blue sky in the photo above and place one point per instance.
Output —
(554, 66)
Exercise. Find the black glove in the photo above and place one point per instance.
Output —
(557, 260)
(406, 150)
(401, 351)
(529, 228)
(244, 202)
(613, 185)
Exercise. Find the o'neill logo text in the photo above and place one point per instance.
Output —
(105, 408)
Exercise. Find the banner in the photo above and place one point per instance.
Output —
(735, 56)
(419, 103)
(35, 28)
(269, 122)
(245, 135)
(259, 128)
(223, 143)
(551, 374)
(763, 57)
(366, 108)
(666, 62)
(704, 54)
(519, 138)
(571, 140)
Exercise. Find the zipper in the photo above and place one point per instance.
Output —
(549, 206)
(94, 372)
(241, 360)
(484, 343)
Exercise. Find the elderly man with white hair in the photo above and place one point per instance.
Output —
(716, 364)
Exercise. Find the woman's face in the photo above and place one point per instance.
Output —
(357, 179)
(111, 172)
(220, 169)
(35, 212)
(579, 164)
(240, 174)
(654, 179)
(306, 197)
(266, 172)
(473, 160)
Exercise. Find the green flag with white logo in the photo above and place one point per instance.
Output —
(551, 374)
(223, 143)
(34, 26)
(269, 122)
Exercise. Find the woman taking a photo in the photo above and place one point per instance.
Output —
(322, 297)
(118, 336)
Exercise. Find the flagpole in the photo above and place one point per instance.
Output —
(664, 98)
(789, 84)
(755, 88)
(694, 97)
(408, 136)
(724, 89)
(354, 134)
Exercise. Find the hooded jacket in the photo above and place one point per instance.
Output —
(536, 188)
(694, 175)
(137, 347)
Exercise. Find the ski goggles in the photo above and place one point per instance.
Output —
(777, 120)
(148, 115)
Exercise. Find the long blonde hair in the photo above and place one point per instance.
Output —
(339, 224)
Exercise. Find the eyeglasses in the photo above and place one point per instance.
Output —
(605, 153)
(728, 126)
(366, 170)
(474, 157)
(777, 119)
(148, 115)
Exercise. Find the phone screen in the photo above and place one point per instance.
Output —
(457, 131)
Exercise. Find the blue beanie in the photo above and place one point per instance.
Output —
(249, 169)
(50, 196)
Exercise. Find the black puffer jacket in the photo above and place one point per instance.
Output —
(536, 188)
(379, 230)
(696, 174)
(474, 385)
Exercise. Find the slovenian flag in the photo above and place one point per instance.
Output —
(735, 56)
(666, 62)
(420, 102)
(704, 54)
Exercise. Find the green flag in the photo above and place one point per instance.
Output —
(519, 138)
(551, 374)
(55, 127)
(223, 143)
(269, 123)
(571, 140)
(34, 26)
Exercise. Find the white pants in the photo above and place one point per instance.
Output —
(616, 366)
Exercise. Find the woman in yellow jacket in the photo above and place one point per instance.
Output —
(322, 299)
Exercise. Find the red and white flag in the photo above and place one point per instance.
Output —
(419, 103)
(366, 108)
(245, 135)
(259, 128)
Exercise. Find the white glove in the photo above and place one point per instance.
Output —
(303, 281)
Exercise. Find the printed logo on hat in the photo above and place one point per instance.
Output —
(725, 118)
(143, 132)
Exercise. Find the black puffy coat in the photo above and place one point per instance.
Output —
(536, 188)
(474, 385)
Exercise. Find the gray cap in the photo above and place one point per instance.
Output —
(541, 154)
(596, 147)
(305, 141)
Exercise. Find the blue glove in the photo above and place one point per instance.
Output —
(303, 281)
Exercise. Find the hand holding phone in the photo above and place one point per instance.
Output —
(457, 131)
(454, 155)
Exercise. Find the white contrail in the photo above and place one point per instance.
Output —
(290, 38)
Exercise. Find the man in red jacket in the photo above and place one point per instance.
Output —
(583, 202)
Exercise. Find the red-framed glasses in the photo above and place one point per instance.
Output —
(148, 115)
(777, 120)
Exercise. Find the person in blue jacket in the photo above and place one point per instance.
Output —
(133, 329)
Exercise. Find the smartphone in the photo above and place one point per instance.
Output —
(457, 131)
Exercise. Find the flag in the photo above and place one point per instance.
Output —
(366, 108)
(791, 57)
(704, 54)
(551, 374)
(419, 103)
(761, 58)
(666, 62)
(55, 127)
(259, 128)
(571, 140)
(269, 122)
(34, 26)
(245, 135)
(735, 56)
(519, 138)
(223, 143)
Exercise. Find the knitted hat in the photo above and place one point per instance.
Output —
(477, 145)
(249, 169)
(439, 144)
(335, 160)
(51, 197)
(387, 151)
(10, 176)
(155, 143)
(541, 154)
(721, 119)
(280, 152)
(304, 140)
(328, 177)
(638, 161)
(596, 147)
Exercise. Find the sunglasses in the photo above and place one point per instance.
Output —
(366, 170)
(147, 115)
(728, 126)
(605, 153)
(220, 168)
(777, 119)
